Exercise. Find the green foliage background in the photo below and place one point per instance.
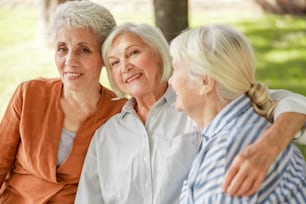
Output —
(279, 43)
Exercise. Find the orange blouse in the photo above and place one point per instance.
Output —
(29, 138)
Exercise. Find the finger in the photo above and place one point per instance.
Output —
(236, 182)
(246, 185)
(255, 186)
(230, 174)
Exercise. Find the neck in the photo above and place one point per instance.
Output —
(82, 98)
(212, 107)
(145, 103)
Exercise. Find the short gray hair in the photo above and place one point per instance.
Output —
(150, 35)
(83, 14)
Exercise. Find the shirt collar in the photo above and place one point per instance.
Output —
(226, 115)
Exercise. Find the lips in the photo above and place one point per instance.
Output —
(132, 78)
(72, 75)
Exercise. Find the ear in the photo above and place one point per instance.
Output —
(208, 84)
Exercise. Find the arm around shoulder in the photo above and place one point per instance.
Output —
(289, 119)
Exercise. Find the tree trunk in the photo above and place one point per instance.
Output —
(47, 8)
(171, 16)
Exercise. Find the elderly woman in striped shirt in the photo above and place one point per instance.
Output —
(214, 80)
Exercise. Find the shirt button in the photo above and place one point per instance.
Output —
(147, 185)
(145, 158)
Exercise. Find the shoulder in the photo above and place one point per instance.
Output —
(108, 131)
(108, 94)
(41, 83)
(111, 98)
(108, 105)
(238, 133)
(245, 131)
(113, 124)
(40, 88)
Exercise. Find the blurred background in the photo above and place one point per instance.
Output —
(276, 29)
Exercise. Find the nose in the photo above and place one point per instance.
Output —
(71, 59)
(127, 65)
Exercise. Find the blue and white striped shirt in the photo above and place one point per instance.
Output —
(235, 127)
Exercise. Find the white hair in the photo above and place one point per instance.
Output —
(226, 55)
(151, 36)
(83, 14)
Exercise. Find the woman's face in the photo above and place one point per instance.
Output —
(78, 58)
(188, 97)
(136, 69)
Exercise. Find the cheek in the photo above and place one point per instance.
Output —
(151, 65)
(97, 73)
(98, 68)
(99, 64)
(91, 62)
(60, 62)
(177, 82)
(117, 77)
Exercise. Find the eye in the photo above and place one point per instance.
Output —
(61, 49)
(114, 63)
(84, 50)
(133, 52)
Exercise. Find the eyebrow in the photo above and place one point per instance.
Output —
(79, 43)
(83, 43)
(110, 57)
(125, 49)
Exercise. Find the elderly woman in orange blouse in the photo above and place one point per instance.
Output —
(48, 124)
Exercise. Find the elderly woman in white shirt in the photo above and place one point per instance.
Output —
(215, 67)
(143, 154)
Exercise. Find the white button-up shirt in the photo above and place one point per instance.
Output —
(132, 163)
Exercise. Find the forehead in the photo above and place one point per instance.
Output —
(70, 35)
(127, 39)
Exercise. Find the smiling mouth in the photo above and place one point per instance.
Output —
(72, 75)
(132, 78)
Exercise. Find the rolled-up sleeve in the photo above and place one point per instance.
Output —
(290, 102)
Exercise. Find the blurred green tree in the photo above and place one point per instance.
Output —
(47, 7)
(293, 7)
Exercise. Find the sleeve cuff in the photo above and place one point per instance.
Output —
(300, 137)
(290, 104)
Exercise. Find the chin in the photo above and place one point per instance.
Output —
(71, 87)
